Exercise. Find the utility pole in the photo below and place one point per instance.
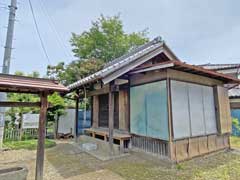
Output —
(7, 59)
(9, 39)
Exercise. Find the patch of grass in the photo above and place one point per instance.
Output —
(179, 166)
(27, 144)
(235, 141)
(220, 166)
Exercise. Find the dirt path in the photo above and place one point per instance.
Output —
(62, 162)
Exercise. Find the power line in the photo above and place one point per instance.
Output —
(38, 32)
(54, 29)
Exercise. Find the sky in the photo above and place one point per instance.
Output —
(198, 32)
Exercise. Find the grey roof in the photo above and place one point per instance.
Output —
(235, 92)
(123, 62)
(220, 66)
(134, 51)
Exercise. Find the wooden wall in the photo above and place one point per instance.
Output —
(194, 78)
(124, 110)
(193, 147)
(224, 121)
(235, 103)
(103, 116)
(121, 110)
(103, 110)
(150, 76)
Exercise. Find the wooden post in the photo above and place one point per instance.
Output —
(95, 112)
(76, 117)
(41, 137)
(21, 127)
(111, 117)
(170, 127)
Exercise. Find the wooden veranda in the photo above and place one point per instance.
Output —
(42, 87)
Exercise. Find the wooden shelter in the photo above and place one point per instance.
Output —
(149, 99)
(42, 87)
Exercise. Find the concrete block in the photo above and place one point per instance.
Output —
(89, 146)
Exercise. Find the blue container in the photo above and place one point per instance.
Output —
(235, 113)
(81, 124)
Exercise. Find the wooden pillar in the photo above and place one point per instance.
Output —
(95, 110)
(170, 127)
(123, 110)
(223, 114)
(76, 116)
(111, 117)
(41, 136)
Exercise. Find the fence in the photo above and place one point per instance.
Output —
(14, 134)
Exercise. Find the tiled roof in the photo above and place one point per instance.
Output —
(235, 92)
(120, 62)
(134, 51)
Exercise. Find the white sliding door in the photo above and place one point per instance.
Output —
(209, 110)
(180, 109)
(196, 109)
(149, 110)
(193, 110)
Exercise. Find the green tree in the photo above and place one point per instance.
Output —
(235, 123)
(56, 109)
(104, 41)
(74, 71)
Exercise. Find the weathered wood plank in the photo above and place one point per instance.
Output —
(151, 76)
(188, 77)
(95, 117)
(20, 104)
(103, 90)
(123, 109)
(41, 137)
(223, 110)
